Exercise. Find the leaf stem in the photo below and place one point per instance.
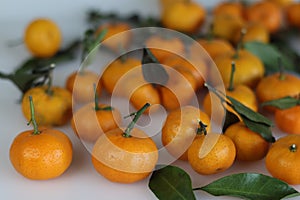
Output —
(231, 87)
(135, 118)
(240, 44)
(50, 80)
(281, 69)
(32, 119)
(96, 98)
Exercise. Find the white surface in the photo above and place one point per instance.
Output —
(80, 181)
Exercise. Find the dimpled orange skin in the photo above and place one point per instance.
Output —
(124, 160)
(266, 12)
(215, 47)
(43, 156)
(273, 87)
(234, 9)
(179, 130)
(281, 162)
(117, 44)
(288, 120)
(42, 37)
(50, 110)
(88, 124)
(219, 159)
(249, 68)
(179, 90)
(184, 16)
(165, 47)
(250, 146)
(114, 72)
(293, 14)
(242, 93)
(83, 91)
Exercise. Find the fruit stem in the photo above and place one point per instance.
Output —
(202, 128)
(231, 87)
(240, 44)
(293, 148)
(135, 118)
(50, 79)
(96, 97)
(96, 101)
(281, 69)
(32, 119)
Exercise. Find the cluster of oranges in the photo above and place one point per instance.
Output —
(127, 154)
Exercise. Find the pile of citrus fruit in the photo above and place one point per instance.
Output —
(127, 154)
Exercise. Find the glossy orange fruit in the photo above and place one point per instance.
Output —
(187, 16)
(225, 26)
(89, 122)
(235, 9)
(197, 67)
(250, 146)
(43, 37)
(254, 32)
(284, 84)
(115, 71)
(249, 68)
(179, 130)
(218, 158)
(41, 153)
(80, 84)
(267, 13)
(283, 158)
(124, 159)
(117, 43)
(215, 47)
(293, 14)
(167, 46)
(179, 90)
(52, 108)
(288, 120)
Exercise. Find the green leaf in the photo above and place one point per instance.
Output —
(282, 103)
(269, 55)
(34, 71)
(251, 186)
(253, 120)
(170, 183)
(153, 72)
(250, 114)
(259, 128)
(230, 119)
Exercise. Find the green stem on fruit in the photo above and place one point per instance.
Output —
(202, 128)
(281, 69)
(240, 44)
(231, 87)
(293, 148)
(135, 118)
(50, 80)
(32, 119)
(96, 101)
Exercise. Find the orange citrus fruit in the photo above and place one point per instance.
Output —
(218, 159)
(179, 130)
(43, 37)
(282, 160)
(124, 159)
(52, 108)
(250, 146)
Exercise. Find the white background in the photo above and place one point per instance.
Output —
(80, 181)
